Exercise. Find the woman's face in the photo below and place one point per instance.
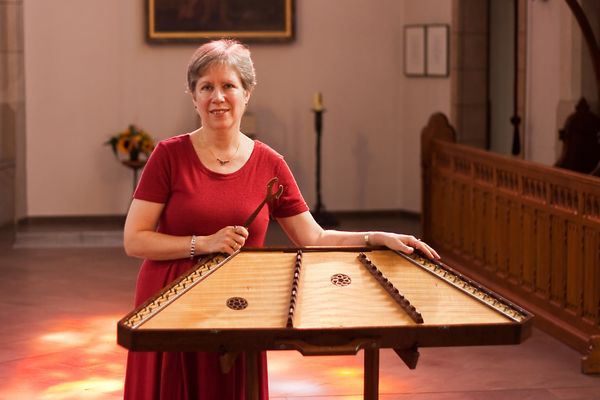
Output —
(220, 98)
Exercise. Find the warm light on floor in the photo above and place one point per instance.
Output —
(73, 359)
(79, 359)
(291, 374)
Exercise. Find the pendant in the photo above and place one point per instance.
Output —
(223, 162)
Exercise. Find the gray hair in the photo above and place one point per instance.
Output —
(226, 52)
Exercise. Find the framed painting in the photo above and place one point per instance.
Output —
(203, 20)
(414, 50)
(437, 50)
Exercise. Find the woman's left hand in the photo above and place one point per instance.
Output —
(406, 244)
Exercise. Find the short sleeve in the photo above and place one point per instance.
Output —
(291, 201)
(155, 182)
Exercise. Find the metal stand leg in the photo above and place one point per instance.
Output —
(252, 389)
(371, 369)
(135, 178)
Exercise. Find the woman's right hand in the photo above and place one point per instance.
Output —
(227, 240)
(140, 238)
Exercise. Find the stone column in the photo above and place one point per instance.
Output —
(469, 71)
(12, 112)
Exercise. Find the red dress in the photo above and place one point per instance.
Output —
(199, 201)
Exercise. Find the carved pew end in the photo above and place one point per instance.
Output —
(590, 363)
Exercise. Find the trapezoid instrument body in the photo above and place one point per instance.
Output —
(321, 301)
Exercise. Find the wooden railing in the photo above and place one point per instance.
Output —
(528, 231)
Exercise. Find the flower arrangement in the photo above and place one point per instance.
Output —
(132, 142)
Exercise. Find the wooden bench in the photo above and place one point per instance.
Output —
(529, 232)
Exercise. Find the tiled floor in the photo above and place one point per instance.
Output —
(59, 305)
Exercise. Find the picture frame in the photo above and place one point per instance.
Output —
(437, 54)
(169, 21)
(414, 50)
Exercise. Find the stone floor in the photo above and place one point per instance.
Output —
(61, 297)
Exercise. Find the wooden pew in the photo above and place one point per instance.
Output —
(529, 232)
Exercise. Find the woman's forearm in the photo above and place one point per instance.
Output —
(159, 246)
(332, 237)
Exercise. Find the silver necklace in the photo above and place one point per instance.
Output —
(224, 162)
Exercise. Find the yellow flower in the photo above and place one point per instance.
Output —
(131, 142)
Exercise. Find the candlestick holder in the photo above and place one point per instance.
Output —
(324, 218)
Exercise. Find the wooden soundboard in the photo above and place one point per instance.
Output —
(323, 301)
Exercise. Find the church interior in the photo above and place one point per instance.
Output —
(471, 124)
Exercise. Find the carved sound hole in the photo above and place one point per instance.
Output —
(237, 303)
(341, 280)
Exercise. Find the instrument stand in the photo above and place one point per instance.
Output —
(135, 165)
(325, 219)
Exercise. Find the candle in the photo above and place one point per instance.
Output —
(318, 102)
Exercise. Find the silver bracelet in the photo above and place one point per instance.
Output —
(193, 247)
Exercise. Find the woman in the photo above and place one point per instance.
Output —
(195, 192)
